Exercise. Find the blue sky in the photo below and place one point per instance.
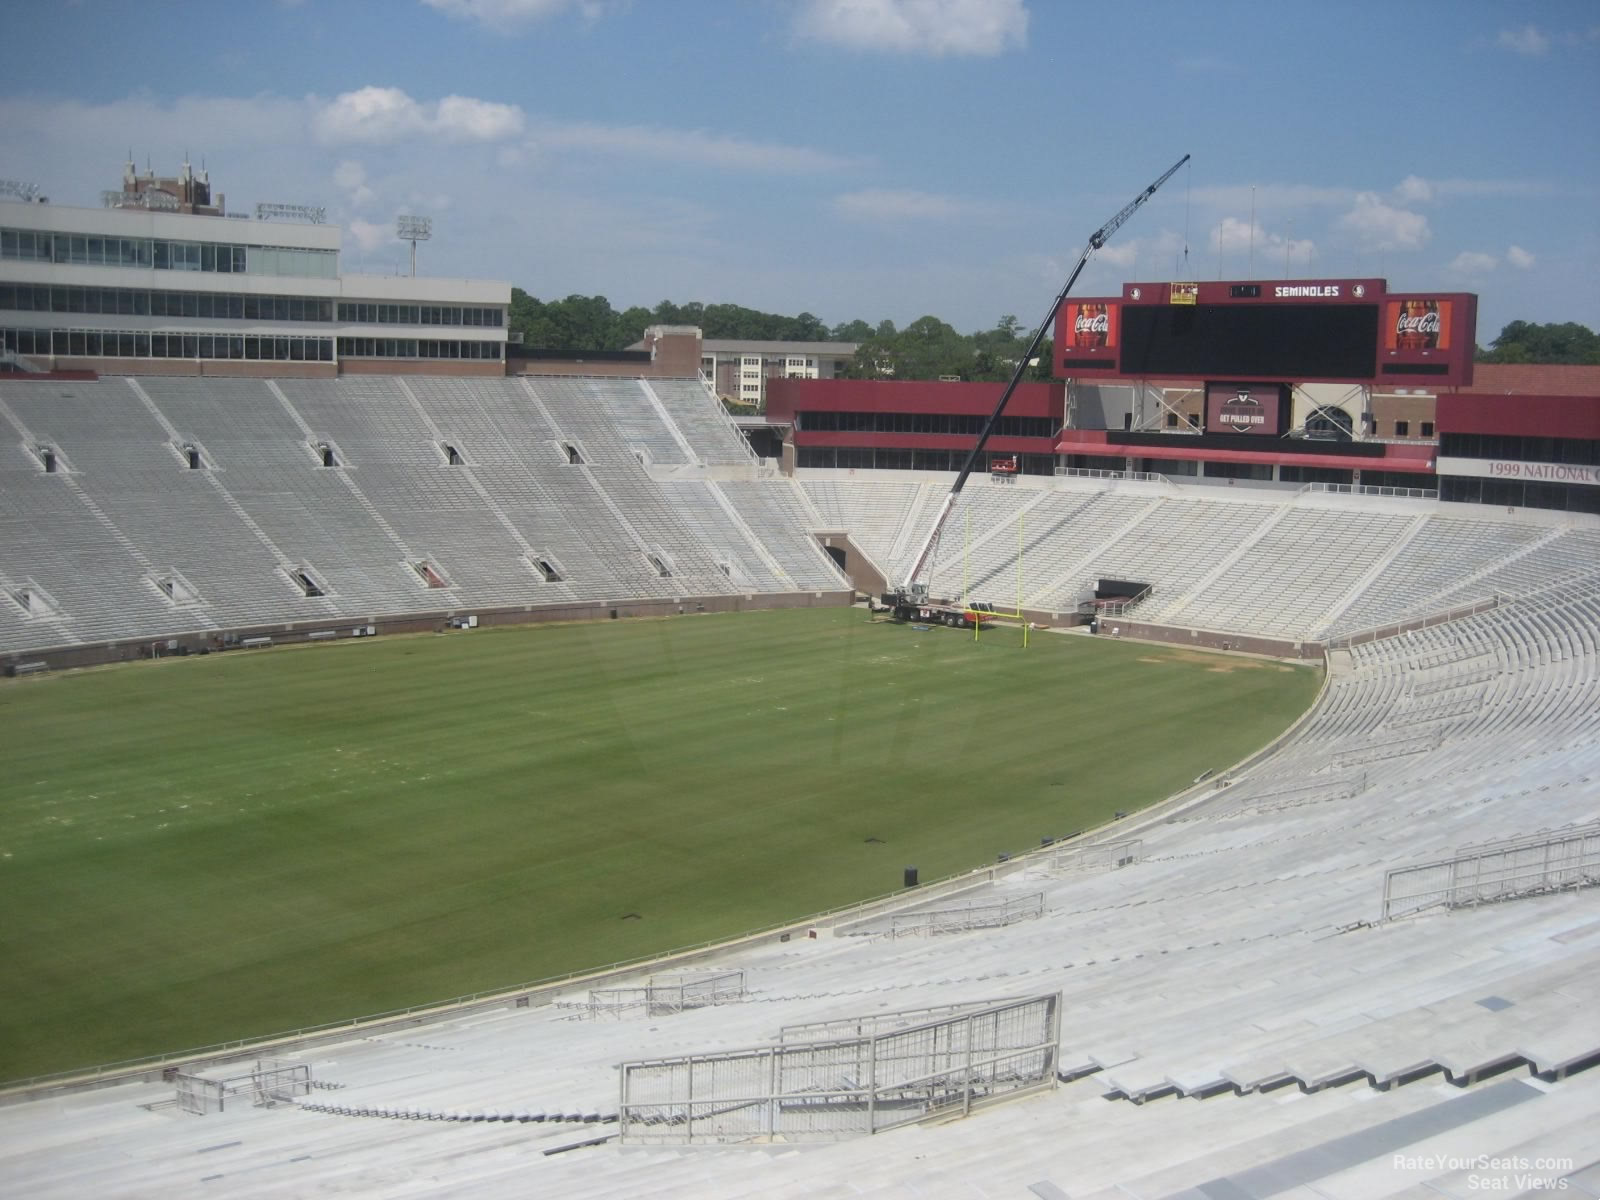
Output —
(857, 158)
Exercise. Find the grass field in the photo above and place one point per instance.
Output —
(201, 849)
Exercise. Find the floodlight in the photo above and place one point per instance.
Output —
(311, 214)
(413, 229)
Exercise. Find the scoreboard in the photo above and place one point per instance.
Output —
(1332, 330)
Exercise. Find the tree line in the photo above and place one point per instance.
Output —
(927, 348)
(1526, 342)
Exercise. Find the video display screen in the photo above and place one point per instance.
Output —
(1271, 341)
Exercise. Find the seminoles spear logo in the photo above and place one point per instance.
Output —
(1243, 412)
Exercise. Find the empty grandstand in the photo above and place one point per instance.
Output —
(1361, 963)
(174, 508)
(1307, 566)
(1226, 954)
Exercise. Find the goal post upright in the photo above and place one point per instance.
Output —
(966, 576)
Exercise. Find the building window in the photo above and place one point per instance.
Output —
(213, 257)
(1402, 428)
(1427, 429)
(208, 306)
(365, 347)
(360, 313)
(1172, 420)
(100, 343)
(1237, 470)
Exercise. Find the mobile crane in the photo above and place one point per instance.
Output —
(910, 601)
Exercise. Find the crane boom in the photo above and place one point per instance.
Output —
(1096, 240)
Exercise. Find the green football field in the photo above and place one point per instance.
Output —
(201, 849)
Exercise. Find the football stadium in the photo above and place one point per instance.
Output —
(440, 768)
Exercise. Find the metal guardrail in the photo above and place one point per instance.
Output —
(968, 916)
(1496, 871)
(1095, 473)
(1121, 608)
(1361, 489)
(844, 1087)
(668, 994)
(1391, 629)
(1100, 856)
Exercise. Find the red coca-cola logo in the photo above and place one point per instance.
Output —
(1427, 323)
(1099, 323)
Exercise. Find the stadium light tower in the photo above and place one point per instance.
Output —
(413, 230)
(26, 192)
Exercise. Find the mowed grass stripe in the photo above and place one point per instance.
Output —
(210, 848)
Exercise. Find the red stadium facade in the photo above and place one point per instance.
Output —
(908, 425)
(1292, 330)
(1266, 383)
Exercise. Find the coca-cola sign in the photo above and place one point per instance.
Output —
(1084, 323)
(1417, 325)
(1426, 324)
(1089, 326)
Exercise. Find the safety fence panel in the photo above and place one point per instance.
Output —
(666, 994)
(1100, 856)
(844, 1087)
(873, 1023)
(273, 1081)
(930, 921)
(1497, 871)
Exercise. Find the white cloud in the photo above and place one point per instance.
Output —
(351, 177)
(1528, 40)
(1414, 189)
(1519, 258)
(1491, 187)
(685, 145)
(511, 16)
(1233, 236)
(1473, 262)
(1380, 226)
(386, 114)
(937, 28)
(1121, 254)
(464, 118)
(368, 236)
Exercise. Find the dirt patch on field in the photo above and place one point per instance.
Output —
(1209, 661)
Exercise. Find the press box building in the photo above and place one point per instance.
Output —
(163, 280)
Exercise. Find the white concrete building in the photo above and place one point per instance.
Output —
(739, 369)
(161, 281)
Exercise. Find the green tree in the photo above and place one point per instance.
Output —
(1527, 342)
(629, 327)
(807, 328)
(925, 349)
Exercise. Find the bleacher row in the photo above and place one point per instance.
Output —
(1235, 967)
(123, 541)
(1306, 567)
